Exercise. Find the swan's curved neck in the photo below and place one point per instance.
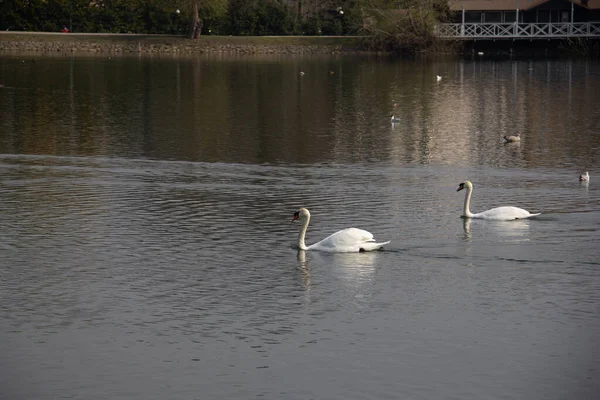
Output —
(466, 208)
(302, 233)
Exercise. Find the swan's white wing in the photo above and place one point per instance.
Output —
(504, 214)
(348, 240)
(345, 238)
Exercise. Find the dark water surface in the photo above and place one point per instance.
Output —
(146, 249)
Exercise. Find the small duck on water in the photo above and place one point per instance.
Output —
(393, 119)
(512, 138)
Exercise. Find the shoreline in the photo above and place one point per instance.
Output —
(55, 42)
(12, 42)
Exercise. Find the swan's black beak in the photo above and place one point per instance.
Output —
(460, 187)
(296, 216)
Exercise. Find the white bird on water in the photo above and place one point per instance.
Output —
(350, 240)
(512, 138)
(393, 119)
(506, 213)
(584, 177)
(439, 78)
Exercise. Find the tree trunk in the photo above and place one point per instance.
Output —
(195, 22)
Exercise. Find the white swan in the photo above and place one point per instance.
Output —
(349, 240)
(585, 177)
(512, 138)
(506, 213)
(439, 78)
(393, 119)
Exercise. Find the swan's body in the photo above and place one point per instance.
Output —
(512, 138)
(506, 213)
(585, 177)
(393, 119)
(349, 240)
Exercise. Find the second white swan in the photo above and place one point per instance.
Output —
(349, 240)
(506, 213)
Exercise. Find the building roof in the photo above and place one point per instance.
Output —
(505, 5)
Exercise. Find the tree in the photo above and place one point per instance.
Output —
(200, 10)
(402, 25)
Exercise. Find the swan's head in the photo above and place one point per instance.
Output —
(301, 213)
(465, 185)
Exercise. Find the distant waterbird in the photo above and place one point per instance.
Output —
(512, 138)
(393, 119)
(584, 177)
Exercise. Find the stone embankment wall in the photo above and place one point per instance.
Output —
(90, 43)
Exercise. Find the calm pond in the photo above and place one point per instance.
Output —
(147, 249)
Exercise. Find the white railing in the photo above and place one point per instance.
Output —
(518, 31)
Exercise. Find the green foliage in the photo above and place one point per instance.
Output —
(115, 16)
(30, 15)
(241, 19)
(258, 18)
(273, 19)
(337, 18)
(409, 27)
(388, 24)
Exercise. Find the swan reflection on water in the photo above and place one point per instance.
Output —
(517, 230)
(303, 268)
(353, 267)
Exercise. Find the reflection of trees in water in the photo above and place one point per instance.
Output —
(258, 109)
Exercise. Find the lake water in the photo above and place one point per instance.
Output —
(147, 249)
